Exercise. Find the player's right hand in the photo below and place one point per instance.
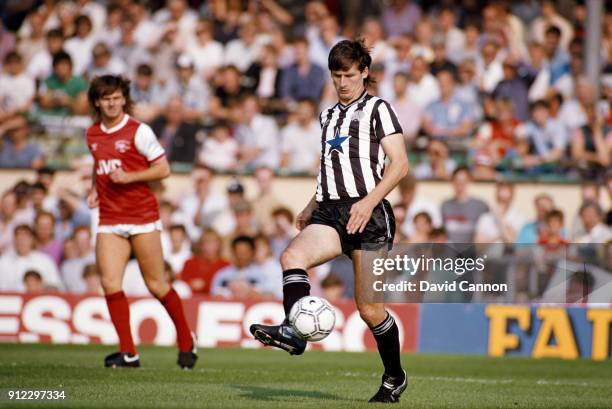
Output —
(92, 199)
(302, 218)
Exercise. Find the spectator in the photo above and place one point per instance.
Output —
(191, 88)
(536, 72)
(304, 79)
(423, 36)
(489, 70)
(408, 112)
(321, 44)
(449, 117)
(132, 54)
(243, 278)
(199, 270)
(266, 200)
(514, 89)
(423, 87)
(400, 60)
(422, 228)
(282, 230)
(573, 112)
(46, 242)
(558, 57)
(63, 93)
(461, 212)
(220, 149)
(592, 219)
(551, 237)
(471, 48)
(440, 61)
(437, 164)
(453, 36)
(178, 251)
(14, 264)
(33, 282)
(145, 32)
(91, 277)
(8, 220)
(244, 51)
(206, 53)
(203, 206)
(146, 94)
(79, 47)
(589, 151)
(230, 91)
(373, 36)
(271, 270)
(17, 89)
(72, 212)
(400, 17)
(103, 62)
(415, 203)
(549, 17)
(531, 231)
(40, 66)
(243, 221)
(503, 222)
(72, 269)
(264, 77)
(258, 137)
(546, 140)
(300, 140)
(467, 89)
(17, 150)
(333, 288)
(178, 14)
(110, 33)
(176, 135)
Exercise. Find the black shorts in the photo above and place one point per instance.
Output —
(378, 233)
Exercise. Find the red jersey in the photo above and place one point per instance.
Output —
(197, 268)
(130, 145)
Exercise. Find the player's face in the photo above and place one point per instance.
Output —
(111, 105)
(349, 83)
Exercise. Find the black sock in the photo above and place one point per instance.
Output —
(386, 335)
(295, 286)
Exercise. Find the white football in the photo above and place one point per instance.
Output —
(313, 318)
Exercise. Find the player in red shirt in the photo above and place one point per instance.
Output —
(127, 156)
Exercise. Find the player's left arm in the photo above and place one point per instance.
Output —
(395, 148)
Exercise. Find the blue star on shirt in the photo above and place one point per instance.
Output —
(336, 143)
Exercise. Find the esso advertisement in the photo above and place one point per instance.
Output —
(71, 319)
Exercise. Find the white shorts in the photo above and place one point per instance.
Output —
(127, 230)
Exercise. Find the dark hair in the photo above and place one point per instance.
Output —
(460, 169)
(553, 30)
(426, 215)
(32, 274)
(61, 56)
(283, 211)
(105, 85)
(144, 69)
(178, 227)
(55, 33)
(585, 278)
(83, 19)
(23, 227)
(42, 214)
(12, 56)
(346, 53)
(45, 170)
(554, 214)
(244, 239)
(332, 280)
(539, 104)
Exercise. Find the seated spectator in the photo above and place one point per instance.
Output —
(556, 53)
(589, 151)
(333, 288)
(17, 89)
(44, 229)
(133, 54)
(229, 91)
(454, 37)
(449, 117)
(175, 132)
(503, 223)
(489, 71)
(422, 228)
(264, 78)
(514, 89)
(409, 113)
(400, 60)
(72, 269)
(573, 112)
(440, 61)
(146, 94)
(544, 141)
(110, 31)
(17, 151)
(14, 264)
(220, 149)
(423, 87)
(437, 164)
(415, 203)
(495, 139)
(40, 66)
(91, 277)
(244, 51)
(80, 46)
(551, 237)
(461, 212)
(179, 250)
(535, 71)
(589, 192)
(72, 212)
(531, 231)
(271, 270)
(466, 88)
(33, 282)
(300, 140)
(282, 230)
(199, 270)
(471, 47)
(191, 88)
(304, 79)
(258, 137)
(63, 93)
(592, 219)
(243, 278)
(423, 36)
(103, 62)
(207, 53)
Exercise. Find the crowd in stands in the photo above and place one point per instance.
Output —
(484, 90)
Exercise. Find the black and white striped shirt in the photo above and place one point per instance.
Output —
(352, 158)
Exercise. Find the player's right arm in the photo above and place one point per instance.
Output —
(303, 216)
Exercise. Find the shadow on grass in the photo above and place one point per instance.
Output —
(270, 394)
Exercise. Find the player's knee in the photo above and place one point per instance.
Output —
(371, 313)
(110, 285)
(290, 258)
(157, 287)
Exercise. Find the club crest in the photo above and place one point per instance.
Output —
(122, 145)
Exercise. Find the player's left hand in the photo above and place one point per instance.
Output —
(360, 216)
(120, 176)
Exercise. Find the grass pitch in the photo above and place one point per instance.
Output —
(243, 378)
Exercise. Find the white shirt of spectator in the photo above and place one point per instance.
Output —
(425, 91)
(72, 273)
(302, 144)
(13, 267)
(206, 58)
(263, 133)
(572, 115)
(489, 227)
(219, 155)
(80, 52)
(146, 34)
(490, 75)
(598, 234)
(41, 65)
(177, 260)
(16, 91)
(420, 204)
(252, 274)
(212, 208)
(242, 56)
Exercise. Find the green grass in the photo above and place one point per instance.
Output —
(235, 378)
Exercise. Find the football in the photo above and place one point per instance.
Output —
(313, 318)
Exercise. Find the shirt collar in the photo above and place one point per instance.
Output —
(115, 128)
